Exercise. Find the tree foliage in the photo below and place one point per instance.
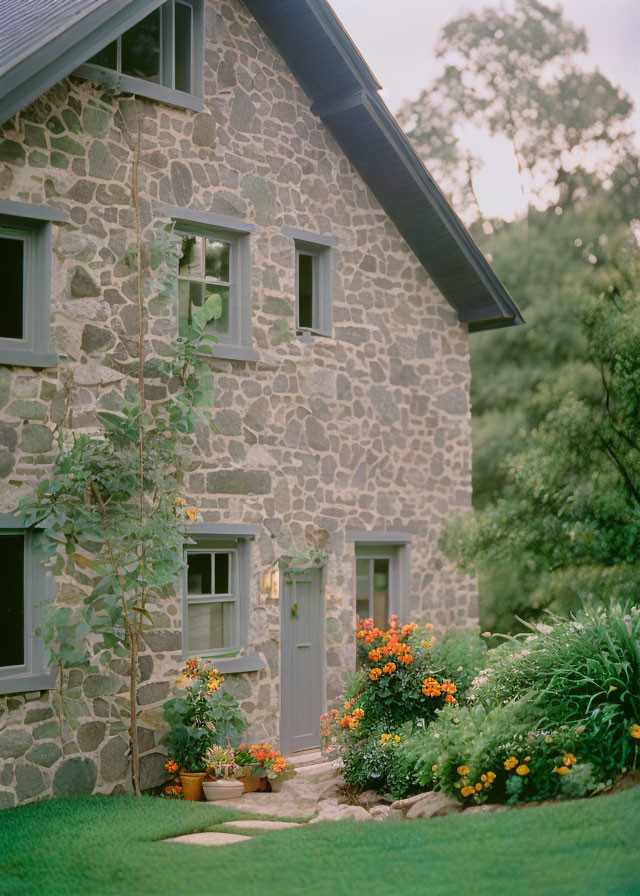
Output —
(570, 507)
(517, 74)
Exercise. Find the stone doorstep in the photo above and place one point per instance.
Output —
(207, 838)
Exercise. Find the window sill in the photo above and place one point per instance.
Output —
(27, 357)
(236, 665)
(29, 681)
(232, 352)
(308, 335)
(140, 87)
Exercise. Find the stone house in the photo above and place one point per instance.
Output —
(295, 194)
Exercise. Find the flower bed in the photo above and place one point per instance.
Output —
(554, 714)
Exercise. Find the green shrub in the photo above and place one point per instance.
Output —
(584, 671)
(459, 655)
(494, 755)
(376, 763)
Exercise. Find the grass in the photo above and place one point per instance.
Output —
(104, 845)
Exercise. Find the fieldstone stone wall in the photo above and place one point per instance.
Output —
(368, 429)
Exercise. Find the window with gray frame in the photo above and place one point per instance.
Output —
(215, 259)
(25, 262)
(208, 266)
(216, 595)
(382, 579)
(26, 590)
(314, 276)
(161, 56)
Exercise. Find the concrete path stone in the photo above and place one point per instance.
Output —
(207, 838)
(258, 824)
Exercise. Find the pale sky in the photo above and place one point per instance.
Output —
(397, 41)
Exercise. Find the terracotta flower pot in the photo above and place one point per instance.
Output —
(222, 790)
(252, 783)
(192, 785)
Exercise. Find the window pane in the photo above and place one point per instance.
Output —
(221, 324)
(12, 630)
(210, 626)
(381, 593)
(182, 46)
(223, 573)
(12, 267)
(216, 260)
(107, 57)
(141, 49)
(190, 297)
(199, 574)
(305, 290)
(191, 258)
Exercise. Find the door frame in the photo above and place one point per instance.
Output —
(286, 725)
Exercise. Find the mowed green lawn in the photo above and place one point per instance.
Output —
(102, 845)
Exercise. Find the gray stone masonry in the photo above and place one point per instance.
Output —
(368, 429)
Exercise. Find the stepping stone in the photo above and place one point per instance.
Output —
(258, 825)
(207, 838)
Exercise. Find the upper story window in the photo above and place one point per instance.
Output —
(215, 259)
(25, 262)
(314, 275)
(26, 589)
(208, 266)
(161, 56)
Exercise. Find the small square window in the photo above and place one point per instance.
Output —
(27, 588)
(25, 262)
(217, 579)
(314, 281)
(162, 49)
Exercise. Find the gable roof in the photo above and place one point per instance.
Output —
(44, 40)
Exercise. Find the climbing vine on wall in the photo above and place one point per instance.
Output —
(111, 504)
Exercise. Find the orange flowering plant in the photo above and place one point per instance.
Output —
(263, 760)
(396, 683)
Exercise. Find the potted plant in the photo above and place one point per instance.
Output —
(221, 782)
(203, 716)
(260, 766)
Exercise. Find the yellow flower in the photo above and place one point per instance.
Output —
(562, 770)
(434, 768)
(468, 790)
(491, 776)
(548, 740)
(385, 737)
(569, 759)
(522, 770)
(635, 731)
(510, 763)
(397, 738)
(462, 770)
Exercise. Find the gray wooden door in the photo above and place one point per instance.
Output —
(302, 679)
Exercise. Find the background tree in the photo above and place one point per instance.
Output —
(516, 74)
(570, 506)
